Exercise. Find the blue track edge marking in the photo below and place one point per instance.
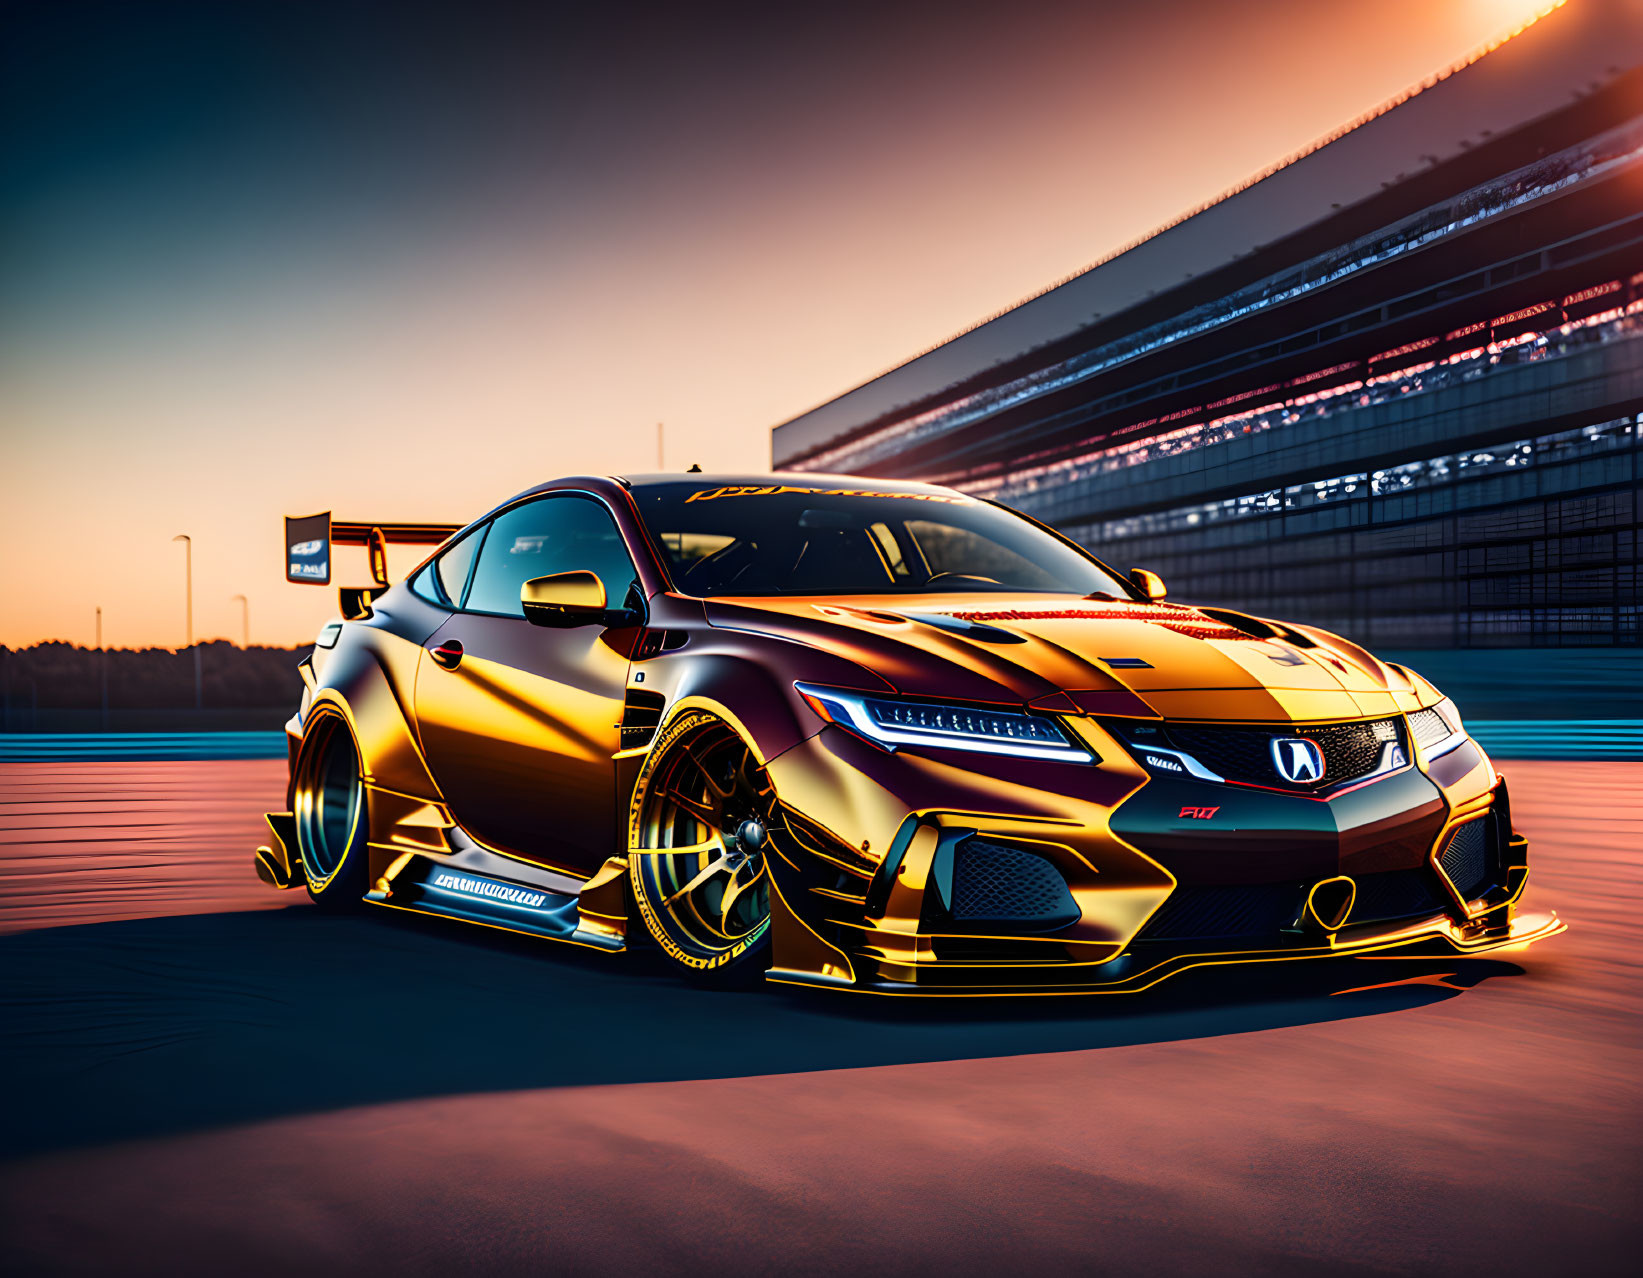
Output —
(77, 747)
(1560, 738)
(1502, 738)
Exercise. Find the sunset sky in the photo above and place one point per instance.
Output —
(401, 261)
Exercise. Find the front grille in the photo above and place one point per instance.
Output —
(1465, 859)
(1394, 894)
(997, 883)
(1350, 750)
(1245, 910)
(1428, 727)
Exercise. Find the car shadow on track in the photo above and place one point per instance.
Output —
(117, 1031)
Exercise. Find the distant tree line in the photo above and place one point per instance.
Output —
(63, 676)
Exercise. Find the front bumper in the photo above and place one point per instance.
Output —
(866, 895)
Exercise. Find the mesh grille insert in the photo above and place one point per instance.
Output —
(1350, 750)
(1465, 859)
(1428, 727)
(996, 883)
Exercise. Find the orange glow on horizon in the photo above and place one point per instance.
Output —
(763, 277)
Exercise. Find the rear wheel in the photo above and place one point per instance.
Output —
(702, 813)
(329, 810)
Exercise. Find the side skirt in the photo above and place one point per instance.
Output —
(475, 885)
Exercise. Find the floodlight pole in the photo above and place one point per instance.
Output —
(245, 620)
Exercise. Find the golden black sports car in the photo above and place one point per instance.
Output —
(869, 735)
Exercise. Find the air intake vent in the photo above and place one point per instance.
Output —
(1395, 894)
(641, 713)
(653, 643)
(1244, 910)
(996, 883)
(1465, 859)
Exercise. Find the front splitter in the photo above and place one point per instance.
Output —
(1437, 940)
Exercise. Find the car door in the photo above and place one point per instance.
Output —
(518, 722)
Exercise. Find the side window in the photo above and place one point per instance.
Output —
(423, 585)
(450, 570)
(552, 534)
(441, 579)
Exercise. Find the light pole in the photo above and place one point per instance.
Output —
(188, 568)
(102, 668)
(245, 620)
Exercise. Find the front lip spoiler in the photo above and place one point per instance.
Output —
(1435, 939)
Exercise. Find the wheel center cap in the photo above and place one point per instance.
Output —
(750, 834)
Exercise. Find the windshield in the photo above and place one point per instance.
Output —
(788, 540)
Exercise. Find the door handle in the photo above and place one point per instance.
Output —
(448, 654)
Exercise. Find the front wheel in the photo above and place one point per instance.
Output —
(702, 814)
(328, 805)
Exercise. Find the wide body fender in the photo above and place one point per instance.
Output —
(368, 679)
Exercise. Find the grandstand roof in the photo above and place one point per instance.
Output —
(1569, 53)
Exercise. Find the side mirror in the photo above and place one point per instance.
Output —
(564, 599)
(1150, 584)
(569, 599)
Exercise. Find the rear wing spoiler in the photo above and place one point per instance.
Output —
(308, 542)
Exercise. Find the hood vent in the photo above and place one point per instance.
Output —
(1254, 627)
(968, 627)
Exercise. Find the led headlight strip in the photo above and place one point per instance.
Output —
(894, 723)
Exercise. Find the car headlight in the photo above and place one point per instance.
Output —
(1439, 728)
(893, 723)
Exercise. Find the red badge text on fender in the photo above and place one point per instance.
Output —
(1199, 814)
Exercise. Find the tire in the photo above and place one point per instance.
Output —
(329, 806)
(698, 835)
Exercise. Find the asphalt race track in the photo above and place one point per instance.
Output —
(206, 1077)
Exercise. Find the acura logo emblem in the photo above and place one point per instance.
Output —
(1298, 760)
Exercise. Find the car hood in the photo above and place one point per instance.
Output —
(1089, 656)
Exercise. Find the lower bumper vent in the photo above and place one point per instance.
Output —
(1465, 859)
(1395, 894)
(1244, 911)
(1205, 913)
(997, 883)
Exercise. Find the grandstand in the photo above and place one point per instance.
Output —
(1391, 387)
